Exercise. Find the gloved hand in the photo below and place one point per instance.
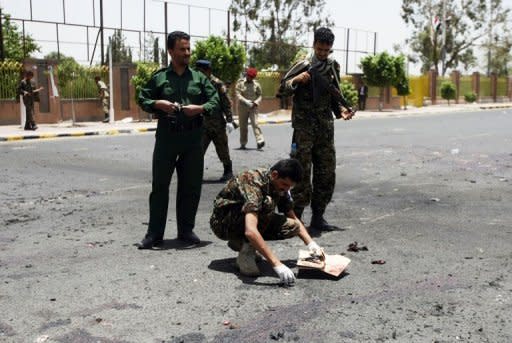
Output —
(315, 249)
(286, 276)
(230, 127)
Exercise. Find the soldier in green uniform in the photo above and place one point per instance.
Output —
(244, 214)
(179, 97)
(30, 94)
(215, 125)
(313, 135)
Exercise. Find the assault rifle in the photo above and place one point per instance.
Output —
(319, 82)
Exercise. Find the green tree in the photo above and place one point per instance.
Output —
(448, 91)
(499, 40)
(15, 48)
(227, 61)
(142, 75)
(382, 70)
(401, 83)
(349, 92)
(280, 24)
(466, 23)
(120, 52)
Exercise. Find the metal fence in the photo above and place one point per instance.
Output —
(80, 29)
(10, 76)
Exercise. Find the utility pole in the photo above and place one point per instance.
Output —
(443, 39)
(166, 59)
(101, 36)
(489, 47)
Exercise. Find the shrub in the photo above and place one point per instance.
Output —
(142, 76)
(470, 97)
(349, 92)
(448, 91)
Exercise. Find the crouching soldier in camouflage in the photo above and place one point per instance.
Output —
(244, 215)
(215, 125)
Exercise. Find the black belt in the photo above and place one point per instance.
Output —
(174, 125)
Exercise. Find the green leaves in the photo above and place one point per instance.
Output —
(227, 61)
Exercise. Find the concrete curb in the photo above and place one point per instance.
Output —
(75, 134)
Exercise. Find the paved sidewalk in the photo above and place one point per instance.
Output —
(66, 129)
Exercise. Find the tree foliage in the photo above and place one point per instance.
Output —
(380, 70)
(14, 48)
(142, 75)
(121, 53)
(383, 70)
(448, 91)
(467, 22)
(349, 92)
(227, 61)
(280, 24)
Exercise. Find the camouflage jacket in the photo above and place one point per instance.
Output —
(225, 104)
(305, 113)
(252, 192)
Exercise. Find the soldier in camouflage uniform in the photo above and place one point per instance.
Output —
(313, 135)
(104, 97)
(244, 215)
(30, 94)
(249, 95)
(215, 125)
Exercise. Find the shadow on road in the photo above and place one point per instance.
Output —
(228, 265)
(176, 244)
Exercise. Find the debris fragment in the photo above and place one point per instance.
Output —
(435, 199)
(378, 262)
(226, 322)
(42, 339)
(454, 151)
(355, 247)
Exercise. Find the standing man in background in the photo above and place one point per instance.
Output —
(313, 128)
(248, 92)
(30, 95)
(179, 97)
(215, 125)
(362, 95)
(104, 97)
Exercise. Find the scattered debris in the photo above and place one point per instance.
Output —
(403, 174)
(42, 339)
(226, 322)
(435, 199)
(378, 262)
(355, 247)
(53, 299)
(99, 320)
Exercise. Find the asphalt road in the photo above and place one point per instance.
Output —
(430, 195)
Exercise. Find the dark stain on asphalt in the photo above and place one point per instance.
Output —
(82, 336)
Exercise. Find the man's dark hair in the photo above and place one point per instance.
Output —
(323, 35)
(289, 168)
(29, 73)
(176, 36)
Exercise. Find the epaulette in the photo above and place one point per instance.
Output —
(159, 70)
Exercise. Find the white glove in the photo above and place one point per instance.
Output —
(315, 249)
(286, 276)
(230, 127)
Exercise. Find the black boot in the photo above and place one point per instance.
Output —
(228, 172)
(318, 222)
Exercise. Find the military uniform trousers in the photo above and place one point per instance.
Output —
(317, 154)
(244, 115)
(229, 225)
(29, 115)
(105, 104)
(182, 151)
(216, 133)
